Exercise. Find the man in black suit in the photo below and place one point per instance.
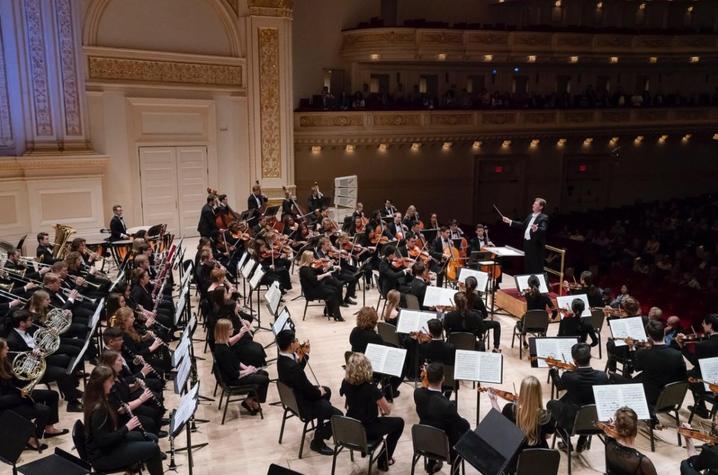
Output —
(706, 348)
(437, 350)
(437, 411)
(415, 283)
(389, 277)
(398, 229)
(534, 228)
(206, 226)
(256, 200)
(313, 401)
(578, 386)
(118, 229)
(44, 249)
(21, 339)
(660, 365)
(388, 210)
(440, 248)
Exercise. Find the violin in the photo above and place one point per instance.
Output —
(712, 386)
(555, 363)
(322, 263)
(692, 338)
(420, 336)
(377, 236)
(698, 435)
(506, 395)
(303, 350)
(636, 343)
(424, 377)
(608, 429)
(417, 253)
(614, 312)
(402, 262)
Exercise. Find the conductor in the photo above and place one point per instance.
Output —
(534, 227)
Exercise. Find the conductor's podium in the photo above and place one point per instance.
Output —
(513, 302)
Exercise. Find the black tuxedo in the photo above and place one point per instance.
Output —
(256, 202)
(578, 385)
(707, 348)
(437, 411)
(534, 247)
(660, 366)
(44, 255)
(388, 211)
(117, 228)
(206, 226)
(389, 278)
(437, 351)
(394, 229)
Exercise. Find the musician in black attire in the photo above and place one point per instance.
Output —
(621, 353)
(313, 401)
(44, 249)
(415, 283)
(578, 385)
(207, 226)
(462, 318)
(256, 200)
(535, 300)
(388, 210)
(706, 461)
(110, 445)
(316, 200)
(575, 325)
(318, 283)
(534, 233)
(346, 274)
(705, 348)
(134, 365)
(476, 303)
(365, 401)
(390, 278)
(436, 410)
(365, 330)
(20, 338)
(437, 350)
(288, 207)
(118, 229)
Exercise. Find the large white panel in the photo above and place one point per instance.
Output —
(158, 177)
(192, 184)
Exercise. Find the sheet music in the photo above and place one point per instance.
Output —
(439, 296)
(478, 366)
(185, 279)
(709, 370)
(256, 277)
(248, 267)
(96, 316)
(385, 359)
(281, 321)
(180, 307)
(413, 321)
(186, 407)
(559, 348)
(564, 301)
(182, 374)
(482, 278)
(181, 350)
(272, 296)
(627, 327)
(522, 282)
(504, 251)
(610, 397)
(241, 261)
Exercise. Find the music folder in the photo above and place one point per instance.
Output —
(492, 445)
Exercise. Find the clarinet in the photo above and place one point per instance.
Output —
(128, 411)
(141, 383)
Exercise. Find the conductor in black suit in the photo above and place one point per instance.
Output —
(118, 229)
(534, 228)
(313, 401)
(206, 226)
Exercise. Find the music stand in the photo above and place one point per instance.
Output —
(271, 211)
(179, 419)
(492, 445)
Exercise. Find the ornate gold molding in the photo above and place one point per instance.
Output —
(280, 8)
(269, 102)
(332, 121)
(102, 68)
(39, 80)
(397, 120)
(68, 68)
(6, 135)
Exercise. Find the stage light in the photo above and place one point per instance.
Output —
(534, 143)
(653, 59)
(488, 58)
(599, 5)
(506, 144)
(316, 149)
(587, 141)
(715, 136)
(695, 59)
(476, 145)
(662, 139)
(613, 59)
(561, 142)
(613, 141)
(642, 6)
(441, 56)
(374, 56)
(686, 138)
(638, 140)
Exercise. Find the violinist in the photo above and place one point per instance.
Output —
(416, 282)
(207, 226)
(397, 228)
(578, 386)
(436, 410)
(274, 264)
(441, 251)
(462, 318)
(621, 456)
(437, 350)
(475, 303)
(621, 354)
(586, 286)
(317, 282)
(707, 347)
(572, 324)
(704, 462)
(345, 274)
(391, 311)
(390, 276)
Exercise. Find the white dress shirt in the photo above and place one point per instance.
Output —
(527, 232)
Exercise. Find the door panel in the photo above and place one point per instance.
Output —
(192, 184)
(158, 177)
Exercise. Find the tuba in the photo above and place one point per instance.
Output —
(63, 233)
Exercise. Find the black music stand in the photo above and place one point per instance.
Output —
(176, 426)
(492, 445)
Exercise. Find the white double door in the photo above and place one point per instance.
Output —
(174, 187)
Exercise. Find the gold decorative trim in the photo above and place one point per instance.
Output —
(397, 120)
(38, 68)
(280, 8)
(451, 119)
(101, 68)
(269, 108)
(6, 135)
(331, 121)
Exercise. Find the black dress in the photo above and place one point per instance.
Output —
(547, 426)
(622, 460)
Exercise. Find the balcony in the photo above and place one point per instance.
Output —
(433, 44)
(359, 127)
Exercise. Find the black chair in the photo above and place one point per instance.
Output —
(534, 322)
(350, 434)
(431, 442)
(307, 304)
(412, 302)
(291, 409)
(388, 333)
(583, 424)
(538, 462)
(598, 318)
(14, 432)
(243, 391)
(275, 469)
(78, 438)
(710, 398)
(669, 401)
(463, 340)
(60, 462)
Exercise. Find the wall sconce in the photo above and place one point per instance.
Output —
(316, 149)
(382, 148)
(715, 136)
(374, 56)
(587, 141)
(488, 58)
(557, 4)
(642, 6)
(613, 59)
(613, 141)
(561, 142)
(531, 58)
(695, 59)
(441, 56)
(599, 5)
(638, 140)
(662, 139)
(653, 59)
(686, 138)
(573, 59)
(446, 146)
(476, 145)
(506, 144)
(534, 143)
(350, 148)
(415, 147)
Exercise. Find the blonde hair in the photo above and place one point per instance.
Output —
(222, 331)
(358, 369)
(626, 422)
(367, 318)
(392, 300)
(306, 259)
(121, 319)
(529, 410)
(35, 301)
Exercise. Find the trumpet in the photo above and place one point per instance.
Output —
(80, 297)
(33, 262)
(87, 283)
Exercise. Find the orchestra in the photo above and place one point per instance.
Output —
(335, 260)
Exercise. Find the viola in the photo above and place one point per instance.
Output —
(418, 254)
(692, 338)
(506, 395)
(555, 363)
(712, 386)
